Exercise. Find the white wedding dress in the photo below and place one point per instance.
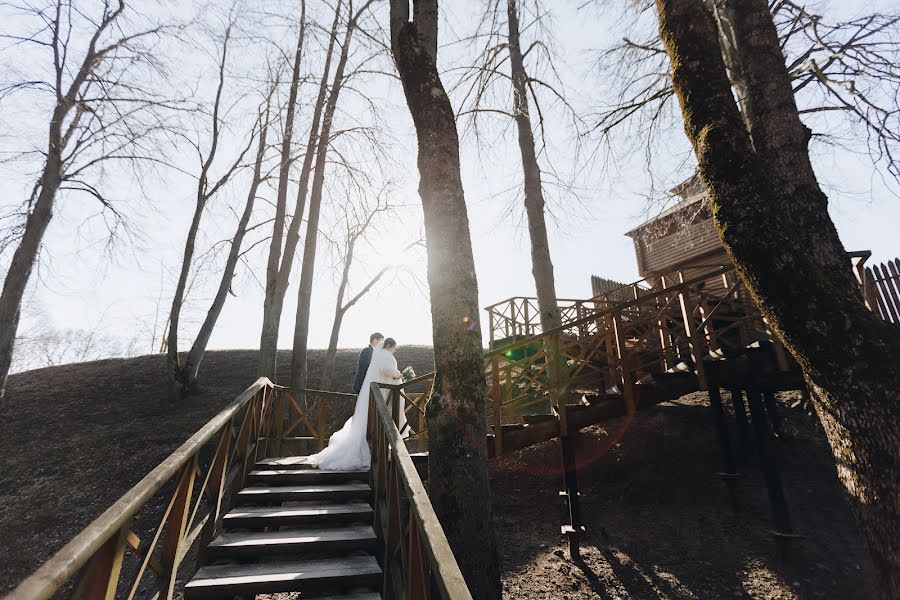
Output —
(348, 449)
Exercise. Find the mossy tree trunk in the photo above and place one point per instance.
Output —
(849, 356)
(458, 479)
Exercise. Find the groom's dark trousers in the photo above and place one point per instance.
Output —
(362, 365)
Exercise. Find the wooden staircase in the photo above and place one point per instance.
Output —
(294, 529)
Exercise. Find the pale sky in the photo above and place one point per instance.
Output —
(78, 287)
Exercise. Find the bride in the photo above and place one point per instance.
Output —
(348, 449)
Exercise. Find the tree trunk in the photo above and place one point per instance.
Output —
(458, 478)
(173, 368)
(174, 371)
(328, 368)
(307, 269)
(26, 255)
(330, 355)
(269, 337)
(192, 365)
(278, 277)
(778, 135)
(541, 264)
(849, 356)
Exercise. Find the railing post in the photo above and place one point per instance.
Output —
(175, 527)
(687, 314)
(320, 423)
(491, 328)
(217, 477)
(280, 408)
(101, 578)
(395, 401)
(624, 365)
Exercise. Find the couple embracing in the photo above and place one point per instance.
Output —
(348, 449)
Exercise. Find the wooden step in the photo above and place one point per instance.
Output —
(309, 577)
(310, 514)
(297, 463)
(332, 541)
(343, 492)
(304, 477)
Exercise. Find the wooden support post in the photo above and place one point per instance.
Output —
(278, 417)
(101, 578)
(175, 528)
(612, 356)
(491, 329)
(575, 529)
(740, 416)
(624, 364)
(772, 412)
(395, 401)
(415, 572)
(687, 314)
(780, 511)
(729, 473)
(216, 489)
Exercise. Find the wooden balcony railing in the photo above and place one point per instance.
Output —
(91, 564)
(418, 561)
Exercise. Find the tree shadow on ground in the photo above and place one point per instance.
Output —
(660, 523)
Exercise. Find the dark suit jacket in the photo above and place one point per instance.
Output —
(362, 365)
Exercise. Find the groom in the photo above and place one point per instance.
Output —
(365, 357)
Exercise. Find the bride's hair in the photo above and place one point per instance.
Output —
(389, 343)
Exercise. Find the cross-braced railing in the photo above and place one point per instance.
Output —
(109, 560)
(418, 562)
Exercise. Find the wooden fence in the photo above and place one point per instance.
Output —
(881, 286)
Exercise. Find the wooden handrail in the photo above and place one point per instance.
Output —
(428, 535)
(67, 562)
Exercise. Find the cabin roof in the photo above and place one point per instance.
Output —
(691, 192)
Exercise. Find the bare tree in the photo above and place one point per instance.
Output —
(838, 69)
(304, 293)
(100, 71)
(457, 461)
(191, 366)
(279, 265)
(359, 224)
(206, 190)
(849, 356)
(502, 63)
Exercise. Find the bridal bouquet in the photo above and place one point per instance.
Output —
(408, 374)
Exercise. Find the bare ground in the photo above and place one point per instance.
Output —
(659, 523)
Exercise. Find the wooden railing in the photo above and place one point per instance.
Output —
(92, 563)
(618, 348)
(309, 417)
(418, 562)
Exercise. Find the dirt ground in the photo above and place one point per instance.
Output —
(659, 523)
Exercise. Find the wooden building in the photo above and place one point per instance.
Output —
(681, 238)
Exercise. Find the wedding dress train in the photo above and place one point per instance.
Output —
(348, 449)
